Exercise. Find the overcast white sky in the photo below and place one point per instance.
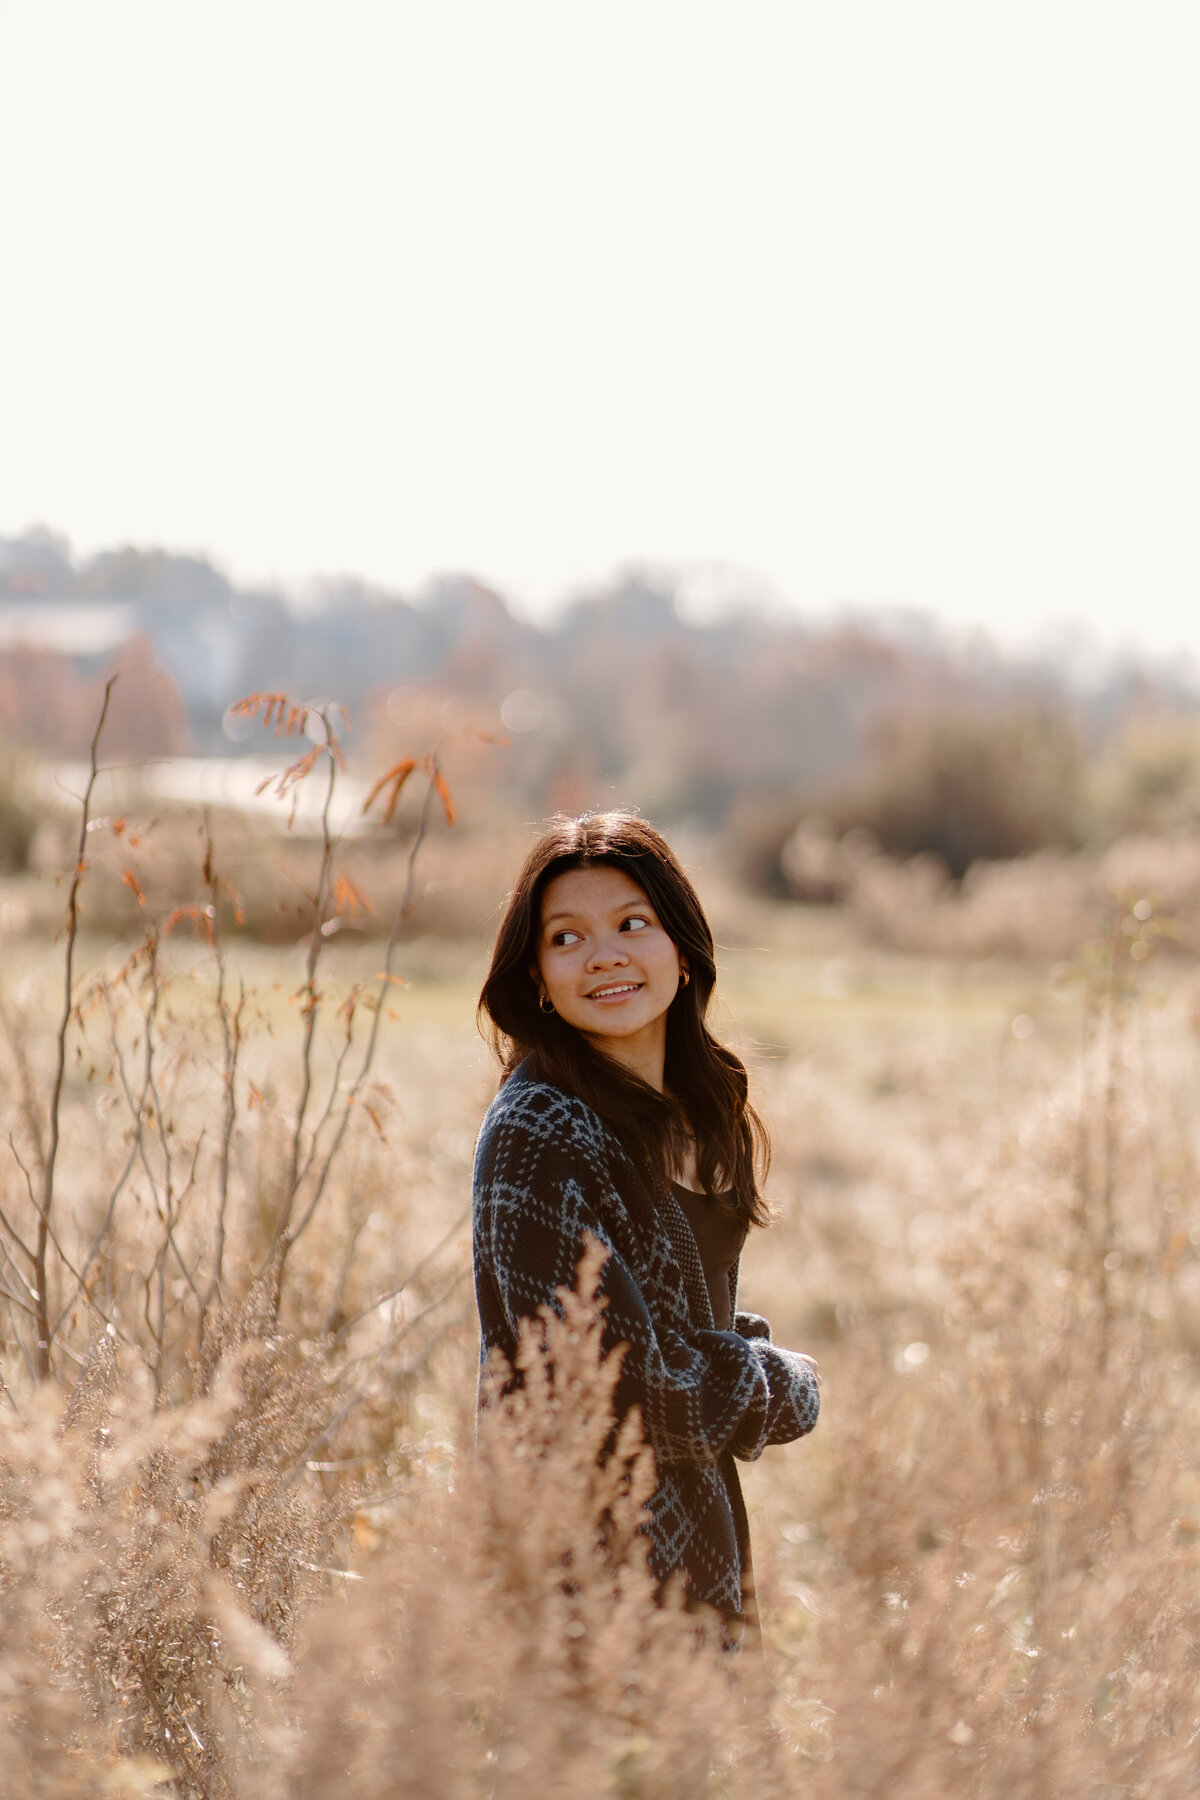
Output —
(893, 302)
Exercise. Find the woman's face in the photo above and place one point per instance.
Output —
(607, 966)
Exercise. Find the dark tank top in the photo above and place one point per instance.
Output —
(719, 1239)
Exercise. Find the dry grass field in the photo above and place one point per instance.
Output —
(247, 1545)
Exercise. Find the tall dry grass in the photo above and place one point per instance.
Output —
(248, 1546)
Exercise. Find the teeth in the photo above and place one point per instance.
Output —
(626, 987)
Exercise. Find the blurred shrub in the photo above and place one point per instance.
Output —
(963, 785)
(141, 872)
(819, 865)
(1045, 905)
(756, 832)
(1149, 783)
(1050, 905)
(48, 704)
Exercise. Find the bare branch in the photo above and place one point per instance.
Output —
(418, 1269)
(281, 1240)
(407, 900)
(16, 1300)
(43, 1341)
(373, 1358)
(231, 1037)
(11, 1229)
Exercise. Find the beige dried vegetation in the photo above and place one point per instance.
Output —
(248, 1547)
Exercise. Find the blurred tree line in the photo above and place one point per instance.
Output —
(740, 726)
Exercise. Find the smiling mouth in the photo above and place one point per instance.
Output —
(616, 992)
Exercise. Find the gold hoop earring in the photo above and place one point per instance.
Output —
(685, 975)
(544, 1003)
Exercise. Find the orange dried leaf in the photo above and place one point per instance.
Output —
(299, 770)
(258, 702)
(201, 917)
(134, 885)
(439, 782)
(395, 778)
(349, 899)
(276, 710)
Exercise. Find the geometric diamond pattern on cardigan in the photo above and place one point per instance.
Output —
(547, 1170)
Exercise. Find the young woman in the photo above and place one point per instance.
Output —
(619, 1114)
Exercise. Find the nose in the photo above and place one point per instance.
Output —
(608, 953)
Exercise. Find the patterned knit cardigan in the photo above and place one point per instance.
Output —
(547, 1169)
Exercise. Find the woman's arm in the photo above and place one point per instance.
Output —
(541, 1182)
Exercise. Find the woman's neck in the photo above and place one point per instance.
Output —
(643, 1055)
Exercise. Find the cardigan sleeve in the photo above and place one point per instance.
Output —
(540, 1185)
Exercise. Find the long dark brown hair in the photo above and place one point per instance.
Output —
(706, 1086)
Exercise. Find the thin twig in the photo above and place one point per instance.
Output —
(11, 1229)
(418, 1269)
(26, 1306)
(137, 1152)
(66, 1262)
(311, 1007)
(137, 1107)
(231, 1037)
(102, 1233)
(43, 1342)
(169, 1206)
(385, 981)
(409, 1325)
(335, 1081)
(18, 1273)
(372, 1359)
(25, 1079)
(348, 1256)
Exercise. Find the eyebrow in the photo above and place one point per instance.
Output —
(632, 906)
